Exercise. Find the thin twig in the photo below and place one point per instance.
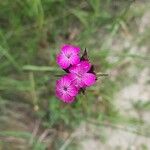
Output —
(102, 74)
(68, 141)
(33, 91)
(39, 68)
(45, 134)
(35, 131)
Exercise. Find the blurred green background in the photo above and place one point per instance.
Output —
(116, 34)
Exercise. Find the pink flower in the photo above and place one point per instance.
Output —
(65, 90)
(80, 75)
(69, 55)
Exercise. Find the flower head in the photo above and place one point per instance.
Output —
(69, 55)
(80, 73)
(65, 90)
(81, 76)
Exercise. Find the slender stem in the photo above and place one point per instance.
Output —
(39, 68)
(33, 91)
(102, 74)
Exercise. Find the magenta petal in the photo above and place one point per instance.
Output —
(85, 66)
(82, 67)
(74, 59)
(89, 79)
(62, 61)
(77, 81)
(65, 90)
(72, 90)
(67, 98)
(74, 69)
(69, 55)
(64, 97)
(65, 80)
(70, 48)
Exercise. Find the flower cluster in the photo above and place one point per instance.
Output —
(79, 71)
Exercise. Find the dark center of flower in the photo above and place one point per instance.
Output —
(68, 56)
(65, 88)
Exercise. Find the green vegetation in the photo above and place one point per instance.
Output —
(31, 32)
